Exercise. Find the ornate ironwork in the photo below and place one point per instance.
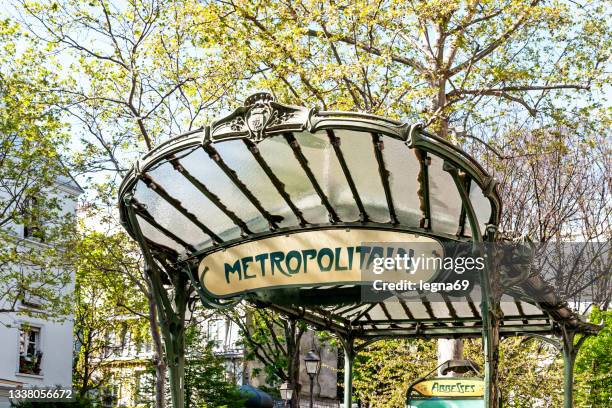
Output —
(260, 116)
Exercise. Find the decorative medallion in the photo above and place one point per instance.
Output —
(259, 117)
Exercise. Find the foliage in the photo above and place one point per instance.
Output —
(112, 316)
(273, 341)
(553, 184)
(472, 65)
(206, 383)
(142, 78)
(110, 310)
(35, 232)
(382, 375)
(594, 365)
(531, 373)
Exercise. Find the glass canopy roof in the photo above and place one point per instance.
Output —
(201, 191)
(218, 193)
(270, 169)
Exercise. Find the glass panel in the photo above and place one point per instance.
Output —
(194, 201)
(463, 309)
(31, 350)
(168, 217)
(22, 341)
(202, 167)
(403, 169)
(417, 309)
(376, 313)
(439, 308)
(279, 156)
(481, 205)
(156, 236)
(444, 198)
(509, 308)
(358, 152)
(239, 158)
(396, 310)
(326, 168)
(28, 342)
(530, 309)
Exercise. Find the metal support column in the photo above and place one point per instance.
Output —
(171, 311)
(491, 316)
(349, 356)
(568, 378)
(489, 306)
(570, 351)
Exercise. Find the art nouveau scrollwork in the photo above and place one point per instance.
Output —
(259, 117)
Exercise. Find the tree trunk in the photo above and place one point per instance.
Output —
(85, 380)
(449, 349)
(293, 366)
(441, 124)
(85, 364)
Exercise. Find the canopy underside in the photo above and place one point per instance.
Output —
(431, 315)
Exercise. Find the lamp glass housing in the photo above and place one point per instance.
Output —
(313, 362)
(286, 391)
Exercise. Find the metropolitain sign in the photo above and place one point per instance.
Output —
(311, 258)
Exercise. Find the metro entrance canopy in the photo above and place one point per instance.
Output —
(245, 206)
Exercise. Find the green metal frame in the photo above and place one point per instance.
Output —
(170, 311)
(180, 269)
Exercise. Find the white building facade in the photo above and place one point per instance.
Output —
(35, 352)
(132, 381)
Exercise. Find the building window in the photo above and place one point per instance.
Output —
(214, 332)
(144, 390)
(143, 346)
(30, 355)
(110, 395)
(32, 226)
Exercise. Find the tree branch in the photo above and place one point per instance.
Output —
(373, 50)
(494, 44)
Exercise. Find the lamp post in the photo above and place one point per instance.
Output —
(313, 364)
(286, 392)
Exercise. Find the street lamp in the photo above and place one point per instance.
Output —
(313, 364)
(286, 392)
